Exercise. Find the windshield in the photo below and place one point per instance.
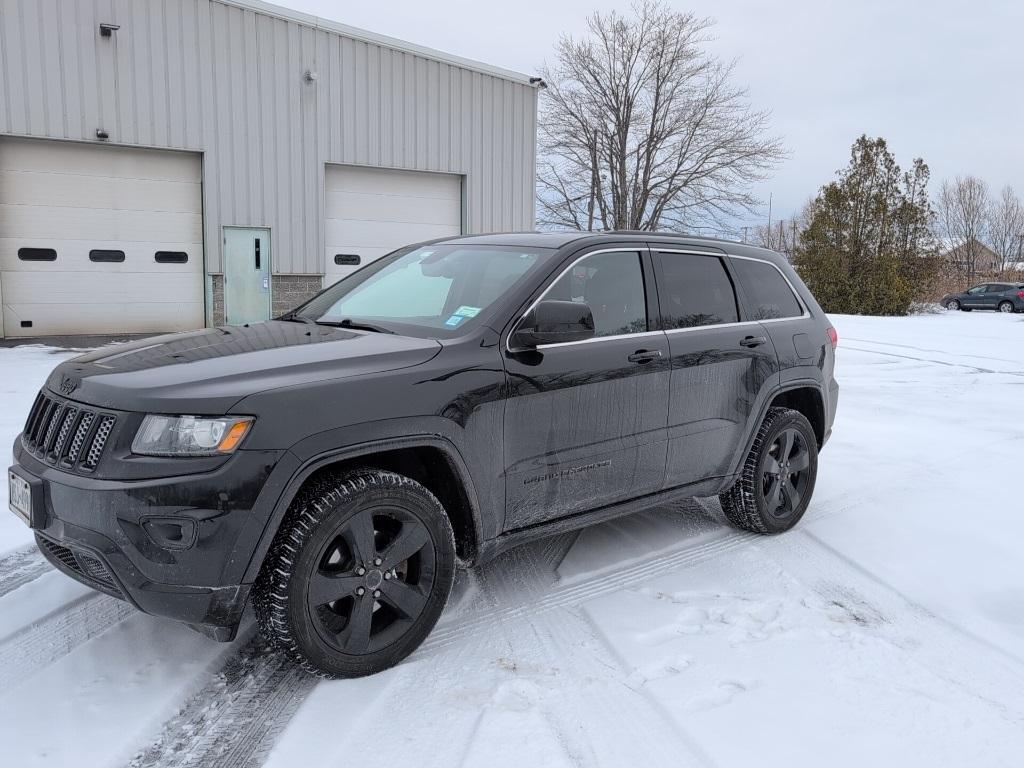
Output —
(436, 291)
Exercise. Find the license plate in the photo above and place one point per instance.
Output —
(20, 494)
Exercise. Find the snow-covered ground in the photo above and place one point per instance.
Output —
(887, 629)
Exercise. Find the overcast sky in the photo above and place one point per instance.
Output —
(939, 79)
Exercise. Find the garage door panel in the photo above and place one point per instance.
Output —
(46, 221)
(372, 211)
(64, 158)
(76, 198)
(73, 255)
(31, 188)
(71, 288)
(416, 210)
(388, 181)
(102, 317)
(382, 233)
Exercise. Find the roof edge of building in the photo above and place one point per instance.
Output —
(364, 35)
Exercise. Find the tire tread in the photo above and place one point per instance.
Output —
(314, 502)
(739, 503)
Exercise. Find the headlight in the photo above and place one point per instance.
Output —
(190, 435)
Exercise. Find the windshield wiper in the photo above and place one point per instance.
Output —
(348, 322)
(295, 317)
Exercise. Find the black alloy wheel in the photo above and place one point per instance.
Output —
(785, 472)
(372, 580)
(358, 574)
(777, 478)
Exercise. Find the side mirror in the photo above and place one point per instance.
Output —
(553, 322)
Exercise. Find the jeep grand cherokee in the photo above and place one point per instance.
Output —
(442, 404)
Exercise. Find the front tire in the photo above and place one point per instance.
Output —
(358, 574)
(777, 481)
(953, 305)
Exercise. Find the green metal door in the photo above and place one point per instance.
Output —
(246, 275)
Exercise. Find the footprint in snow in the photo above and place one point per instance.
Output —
(718, 696)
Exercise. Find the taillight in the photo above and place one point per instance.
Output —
(833, 336)
(1020, 294)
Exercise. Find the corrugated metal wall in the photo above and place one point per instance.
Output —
(229, 82)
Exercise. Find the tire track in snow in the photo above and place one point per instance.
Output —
(20, 567)
(574, 594)
(572, 643)
(234, 720)
(859, 571)
(44, 642)
(983, 669)
(964, 366)
(930, 351)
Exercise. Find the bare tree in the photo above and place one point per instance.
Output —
(783, 235)
(641, 129)
(963, 208)
(1006, 227)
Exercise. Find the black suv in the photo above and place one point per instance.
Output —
(444, 403)
(1005, 297)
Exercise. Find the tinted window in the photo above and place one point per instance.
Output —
(37, 254)
(697, 291)
(767, 291)
(977, 289)
(171, 257)
(998, 288)
(613, 285)
(106, 255)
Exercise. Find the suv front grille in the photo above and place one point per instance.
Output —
(65, 433)
(80, 565)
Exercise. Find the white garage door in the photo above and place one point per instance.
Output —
(99, 239)
(372, 211)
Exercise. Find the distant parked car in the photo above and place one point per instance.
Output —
(1005, 297)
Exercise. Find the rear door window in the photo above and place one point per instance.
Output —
(694, 291)
(767, 292)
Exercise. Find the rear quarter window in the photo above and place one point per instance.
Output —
(768, 295)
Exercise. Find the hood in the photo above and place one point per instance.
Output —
(208, 371)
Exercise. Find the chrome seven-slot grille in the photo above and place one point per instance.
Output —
(66, 434)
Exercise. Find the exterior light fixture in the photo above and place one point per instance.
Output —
(102, 135)
(106, 30)
(310, 76)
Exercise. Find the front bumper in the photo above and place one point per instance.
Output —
(177, 547)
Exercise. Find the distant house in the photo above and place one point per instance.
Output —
(985, 259)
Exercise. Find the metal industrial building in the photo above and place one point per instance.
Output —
(169, 164)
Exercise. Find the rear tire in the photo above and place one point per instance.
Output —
(1005, 306)
(777, 480)
(357, 575)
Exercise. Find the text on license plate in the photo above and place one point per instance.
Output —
(20, 496)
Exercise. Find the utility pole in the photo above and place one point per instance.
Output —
(769, 211)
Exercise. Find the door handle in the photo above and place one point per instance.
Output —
(644, 356)
(753, 341)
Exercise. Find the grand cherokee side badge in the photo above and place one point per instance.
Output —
(567, 472)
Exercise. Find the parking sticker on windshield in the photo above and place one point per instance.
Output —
(454, 320)
(467, 311)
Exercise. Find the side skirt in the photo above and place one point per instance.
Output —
(515, 538)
